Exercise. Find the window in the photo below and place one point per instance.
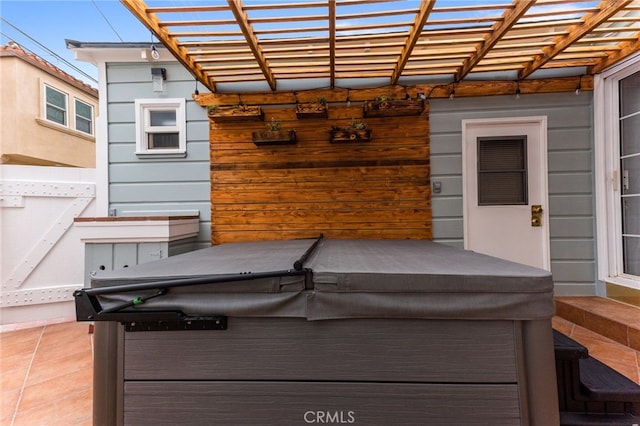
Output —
(160, 127)
(84, 117)
(57, 109)
(630, 172)
(617, 154)
(502, 170)
(56, 106)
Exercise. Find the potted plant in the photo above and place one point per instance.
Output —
(234, 113)
(385, 106)
(274, 135)
(357, 131)
(317, 109)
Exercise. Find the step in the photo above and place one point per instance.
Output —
(599, 382)
(588, 386)
(616, 320)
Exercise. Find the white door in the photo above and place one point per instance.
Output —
(505, 189)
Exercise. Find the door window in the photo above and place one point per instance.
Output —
(502, 170)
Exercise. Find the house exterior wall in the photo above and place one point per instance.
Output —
(156, 186)
(570, 174)
(142, 186)
(25, 136)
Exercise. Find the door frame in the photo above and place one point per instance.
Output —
(541, 122)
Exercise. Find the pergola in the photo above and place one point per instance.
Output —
(339, 43)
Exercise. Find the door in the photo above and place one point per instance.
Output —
(505, 189)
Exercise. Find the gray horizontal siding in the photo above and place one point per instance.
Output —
(156, 186)
(570, 168)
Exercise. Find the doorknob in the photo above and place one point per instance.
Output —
(536, 215)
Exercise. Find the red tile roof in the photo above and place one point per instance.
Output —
(13, 49)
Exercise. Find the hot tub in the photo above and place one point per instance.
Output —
(371, 332)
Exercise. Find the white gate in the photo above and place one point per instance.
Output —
(41, 255)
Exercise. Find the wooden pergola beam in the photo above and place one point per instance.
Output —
(509, 18)
(426, 6)
(430, 91)
(332, 43)
(606, 9)
(252, 40)
(625, 49)
(150, 20)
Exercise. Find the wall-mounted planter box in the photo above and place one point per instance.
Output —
(311, 110)
(348, 134)
(277, 137)
(393, 107)
(229, 114)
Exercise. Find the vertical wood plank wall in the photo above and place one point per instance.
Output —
(374, 189)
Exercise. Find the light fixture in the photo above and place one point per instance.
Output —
(154, 52)
(452, 94)
(406, 94)
(517, 89)
(579, 86)
(422, 96)
(158, 76)
(348, 99)
(196, 93)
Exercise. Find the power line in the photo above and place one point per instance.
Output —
(105, 18)
(51, 52)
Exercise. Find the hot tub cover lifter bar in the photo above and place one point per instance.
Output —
(88, 307)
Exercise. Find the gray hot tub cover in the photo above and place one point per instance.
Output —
(344, 279)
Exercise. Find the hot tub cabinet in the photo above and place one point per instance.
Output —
(370, 332)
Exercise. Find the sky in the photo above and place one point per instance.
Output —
(41, 26)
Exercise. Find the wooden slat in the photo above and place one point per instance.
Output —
(421, 17)
(332, 43)
(256, 49)
(625, 50)
(509, 19)
(606, 9)
(349, 170)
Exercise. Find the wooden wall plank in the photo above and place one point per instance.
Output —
(375, 189)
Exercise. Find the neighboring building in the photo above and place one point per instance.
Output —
(47, 116)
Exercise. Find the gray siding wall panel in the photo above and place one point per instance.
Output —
(570, 205)
(157, 172)
(571, 183)
(161, 192)
(570, 167)
(157, 186)
(121, 153)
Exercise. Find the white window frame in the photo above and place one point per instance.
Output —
(45, 104)
(75, 116)
(143, 128)
(607, 172)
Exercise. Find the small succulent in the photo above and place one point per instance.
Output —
(358, 125)
(273, 125)
(384, 98)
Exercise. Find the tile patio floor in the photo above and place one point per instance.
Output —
(46, 371)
